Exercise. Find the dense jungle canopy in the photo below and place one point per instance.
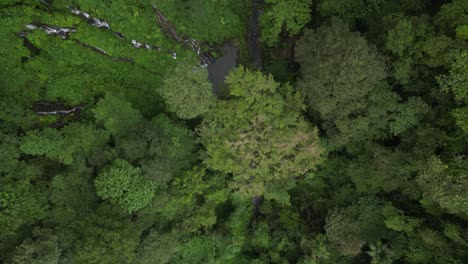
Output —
(338, 136)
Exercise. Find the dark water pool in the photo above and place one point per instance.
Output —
(220, 68)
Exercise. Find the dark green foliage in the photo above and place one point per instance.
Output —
(23, 194)
(42, 248)
(350, 228)
(344, 83)
(350, 10)
(106, 237)
(156, 247)
(381, 170)
(73, 197)
(161, 147)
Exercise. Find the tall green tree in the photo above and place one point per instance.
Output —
(260, 136)
(344, 81)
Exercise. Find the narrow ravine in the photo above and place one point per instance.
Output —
(220, 68)
(217, 69)
(255, 48)
(202, 50)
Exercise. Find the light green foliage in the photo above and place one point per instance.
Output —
(213, 21)
(274, 245)
(202, 249)
(380, 253)
(407, 115)
(279, 15)
(446, 184)
(401, 42)
(462, 32)
(117, 115)
(124, 185)
(461, 115)
(396, 220)
(455, 233)
(187, 91)
(133, 18)
(107, 238)
(48, 142)
(452, 15)
(67, 71)
(63, 146)
(239, 222)
(413, 44)
(456, 82)
(317, 250)
(42, 248)
(260, 137)
(18, 87)
(198, 185)
(350, 228)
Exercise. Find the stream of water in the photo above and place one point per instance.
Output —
(217, 69)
